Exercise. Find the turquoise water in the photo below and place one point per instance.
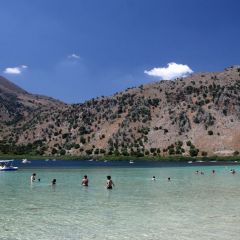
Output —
(191, 206)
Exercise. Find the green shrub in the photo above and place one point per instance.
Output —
(193, 152)
(54, 151)
(76, 146)
(82, 140)
(236, 153)
(210, 132)
(62, 152)
(204, 154)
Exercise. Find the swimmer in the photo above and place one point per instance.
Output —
(110, 183)
(202, 173)
(85, 181)
(39, 180)
(153, 178)
(197, 172)
(33, 177)
(169, 179)
(213, 171)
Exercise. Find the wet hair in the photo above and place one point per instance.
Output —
(169, 179)
(153, 176)
(34, 174)
(108, 177)
(85, 176)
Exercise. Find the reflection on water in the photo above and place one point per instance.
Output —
(190, 206)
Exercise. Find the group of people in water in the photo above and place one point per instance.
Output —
(85, 181)
(109, 182)
(233, 171)
(34, 179)
(154, 178)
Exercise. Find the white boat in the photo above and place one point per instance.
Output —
(6, 165)
(25, 161)
(131, 161)
(189, 161)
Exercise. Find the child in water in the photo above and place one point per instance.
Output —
(110, 183)
(85, 181)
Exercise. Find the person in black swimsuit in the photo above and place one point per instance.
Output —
(110, 183)
(85, 181)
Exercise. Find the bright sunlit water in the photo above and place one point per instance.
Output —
(191, 206)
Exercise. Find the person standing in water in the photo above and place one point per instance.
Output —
(153, 178)
(53, 184)
(33, 177)
(110, 183)
(54, 181)
(85, 181)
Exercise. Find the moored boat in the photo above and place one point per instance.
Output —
(6, 165)
(24, 160)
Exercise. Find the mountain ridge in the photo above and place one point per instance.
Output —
(197, 115)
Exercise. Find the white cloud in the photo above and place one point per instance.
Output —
(15, 70)
(74, 56)
(24, 66)
(12, 70)
(172, 71)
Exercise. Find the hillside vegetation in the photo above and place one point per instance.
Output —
(197, 116)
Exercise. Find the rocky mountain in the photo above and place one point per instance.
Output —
(197, 115)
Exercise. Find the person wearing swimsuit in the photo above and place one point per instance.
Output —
(110, 183)
(33, 177)
(85, 181)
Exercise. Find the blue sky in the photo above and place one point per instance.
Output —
(74, 50)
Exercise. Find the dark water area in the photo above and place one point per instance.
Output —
(115, 163)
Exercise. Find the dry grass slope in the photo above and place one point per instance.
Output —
(197, 115)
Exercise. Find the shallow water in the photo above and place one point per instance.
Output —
(191, 206)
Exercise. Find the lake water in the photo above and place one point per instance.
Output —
(190, 206)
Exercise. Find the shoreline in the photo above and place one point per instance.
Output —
(127, 158)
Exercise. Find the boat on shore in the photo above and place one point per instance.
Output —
(7, 165)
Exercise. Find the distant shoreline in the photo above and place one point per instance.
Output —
(122, 158)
